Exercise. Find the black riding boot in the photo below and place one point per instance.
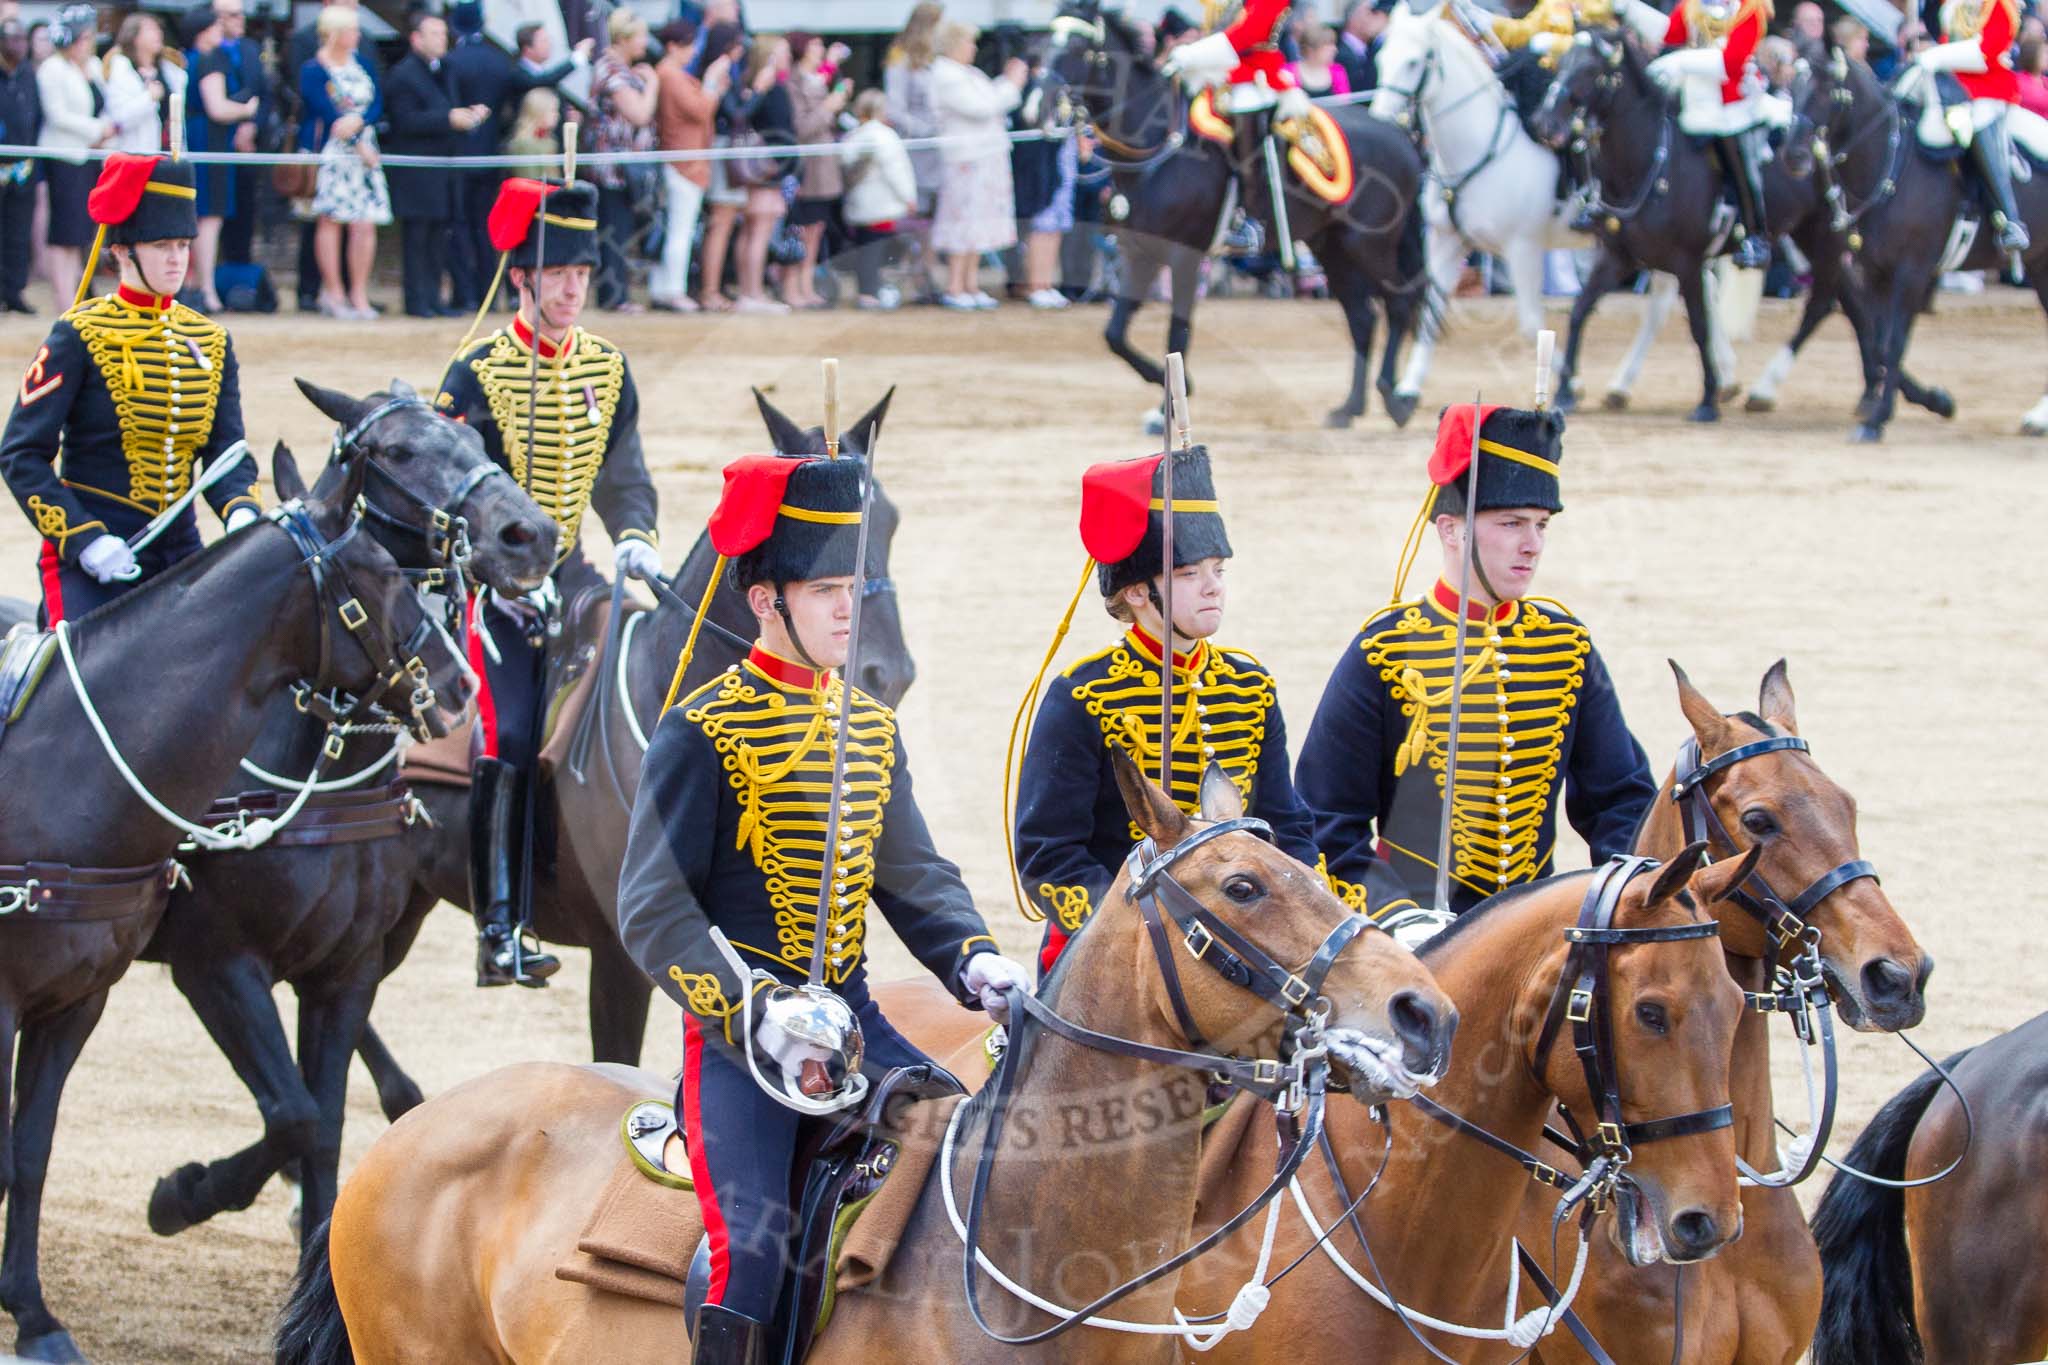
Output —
(1753, 252)
(1992, 150)
(495, 811)
(728, 1338)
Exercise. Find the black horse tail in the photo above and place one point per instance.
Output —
(1411, 262)
(310, 1331)
(1866, 1306)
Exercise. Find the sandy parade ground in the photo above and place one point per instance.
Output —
(1897, 579)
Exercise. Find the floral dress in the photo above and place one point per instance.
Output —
(349, 190)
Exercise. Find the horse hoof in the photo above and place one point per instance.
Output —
(1942, 404)
(170, 1203)
(399, 1099)
(1757, 402)
(1866, 434)
(1566, 400)
(1705, 412)
(1338, 419)
(1401, 407)
(1615, 401)
(55, 1347)
(1730, 392)
(1154, 422)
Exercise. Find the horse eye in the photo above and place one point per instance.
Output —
(1759, 823)
(1653, 1018)
(1243, 890)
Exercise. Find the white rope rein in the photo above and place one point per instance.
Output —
(236, 835)
(1792, 1153)
(1245, 1305)
(624, 694)
(1520, 1332)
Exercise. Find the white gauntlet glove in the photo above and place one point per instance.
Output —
(109, 560)
(636, 559)
(242, 516)
(1294, 103)
(989, 975)
(1207, 61)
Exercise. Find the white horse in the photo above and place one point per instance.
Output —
(1491, 185)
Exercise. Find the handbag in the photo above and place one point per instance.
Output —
(294, 180)
(754, 166)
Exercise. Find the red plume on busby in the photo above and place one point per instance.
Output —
(1122, 526)
(571, 236)
(1519, 450)
(144, 199)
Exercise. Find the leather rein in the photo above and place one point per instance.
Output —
(1295, 1083)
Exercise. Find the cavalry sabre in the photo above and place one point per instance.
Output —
(1440, 900)
(1176, 429)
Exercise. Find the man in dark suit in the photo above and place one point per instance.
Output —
(21, 119)
(425, 120)
(480, 72)
(246, 80)
(305, 41)
(1358, 45)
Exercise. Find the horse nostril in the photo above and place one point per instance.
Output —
(1926, 970)
(1421, 1029)
(1695, 1233)
(1885, 982)
(519, 534)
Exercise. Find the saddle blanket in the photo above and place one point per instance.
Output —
(1330, 179)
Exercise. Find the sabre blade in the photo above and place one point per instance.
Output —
(830, 863)
(1441, 894)
(1177, 416)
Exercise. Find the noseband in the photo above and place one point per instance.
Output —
(444, 530)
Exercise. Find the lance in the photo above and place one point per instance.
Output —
(828, 868)
(1177, 435)
(1441, 899)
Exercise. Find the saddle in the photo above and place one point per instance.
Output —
(25, 655)
(575, 660)
(643, 1237)
(1317, 151)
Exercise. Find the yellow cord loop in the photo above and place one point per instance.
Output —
(752, 834)
(1020, 738)
(92, 265)
(1412, 546)
(490, 297)
(1416, 744)
(675, 684)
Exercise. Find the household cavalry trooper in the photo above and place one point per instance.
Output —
(730, 834)
(1722, 96)
(1976, 48)
(557, 408)
(1072, 832)
(1538, 721)
(131, 398)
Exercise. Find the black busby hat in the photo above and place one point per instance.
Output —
(812, 525)
(568, 211)
(1122, 517)
(144, 199)
(1519, 451)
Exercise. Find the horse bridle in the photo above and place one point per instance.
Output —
(1117, 154)
(1582, 998)
(1826, 157)
(1586, 132)
(1295, 1082)
(338, 600)
(444, 530)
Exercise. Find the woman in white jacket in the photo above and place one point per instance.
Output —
(74, 121)
(881, 194)
(977, 204)
(140, 85)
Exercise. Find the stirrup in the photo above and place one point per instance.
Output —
(505, 957)
(1751, 253)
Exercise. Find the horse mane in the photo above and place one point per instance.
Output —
(1515, 895)
(1115, 21)
(178, 574)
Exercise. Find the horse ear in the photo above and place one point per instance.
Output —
(401, 389)
(355, 472)
(1150, 809)
(783, 433)
(1717, 881)
(1221, 799)
(339, 407)
(861, 435)
(1672, 877)
(1709, 726)
(1774, 699)
(284, 474)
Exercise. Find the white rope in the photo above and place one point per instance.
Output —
(1245, 1305)
(237, 834)
(1792, 1154)
(335, 784)
(1520, 1332)
(626, 696)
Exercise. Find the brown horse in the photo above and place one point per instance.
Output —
(1757, 1303)
(444, 1241)
(1948, 1274)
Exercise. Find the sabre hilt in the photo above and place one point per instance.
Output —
(1177, 399)
(831, 367)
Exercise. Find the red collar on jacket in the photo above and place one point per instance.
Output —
(135, 298)
(1191, 661)
(548, 349)
(780, 670)
(1447, 598)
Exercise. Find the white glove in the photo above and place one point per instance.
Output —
(989, 975)
(1542, 43)
(1673, 67)
(109, 560)
(788, 1053)
(636, 559)
(1208, 60)
(1294, 103)
(242, 516)
(1951, 57)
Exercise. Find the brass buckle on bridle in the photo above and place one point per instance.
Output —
(1208, 940)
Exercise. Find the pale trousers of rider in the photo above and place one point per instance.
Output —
(670, 279)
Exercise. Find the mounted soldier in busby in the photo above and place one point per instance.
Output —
(131, 408)
(557, 408)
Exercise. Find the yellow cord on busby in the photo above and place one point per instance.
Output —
(1020, 737)
(675, 684)
(490, 297)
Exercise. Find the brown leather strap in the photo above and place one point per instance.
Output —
(339, 817)
(58, 891)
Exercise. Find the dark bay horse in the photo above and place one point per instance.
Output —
(216, 638)
(575, 899)
(1660, 192)
(1370, 246)
(1946, 1274)
(1905, 202)
(1756, 1303)
(313, 906)
(524, 1152)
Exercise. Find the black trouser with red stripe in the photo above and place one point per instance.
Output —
(69, 592)
(742, 1146)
